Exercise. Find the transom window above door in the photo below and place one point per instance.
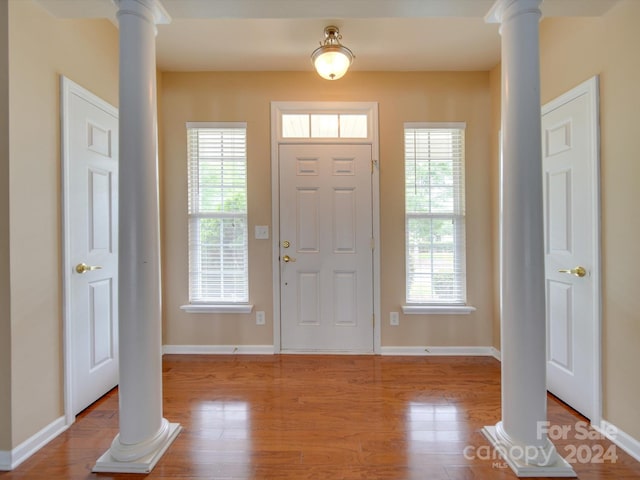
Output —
(324, 122)
(324, 125)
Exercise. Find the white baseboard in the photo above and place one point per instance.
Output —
(623, 440)
(218, 349)
(439, 351)
(5, 461)
(497, 354)
(269, 350)
(10, 460)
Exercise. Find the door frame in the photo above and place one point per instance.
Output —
(371, 110)
(67, 89)
(590, 89)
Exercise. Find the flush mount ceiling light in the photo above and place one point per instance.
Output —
(331, 58)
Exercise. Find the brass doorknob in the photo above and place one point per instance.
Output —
(578, 271)
(287, 259)
(83, 268)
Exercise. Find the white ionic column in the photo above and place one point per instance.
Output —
(144, 433)
(520, 437)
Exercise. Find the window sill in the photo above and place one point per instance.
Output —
(437, 309)
(217, 308)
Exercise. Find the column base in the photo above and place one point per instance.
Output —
(106, 463)
(515, 457)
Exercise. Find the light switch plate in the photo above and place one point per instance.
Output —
(262, 232)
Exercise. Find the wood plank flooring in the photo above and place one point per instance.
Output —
(322, 417)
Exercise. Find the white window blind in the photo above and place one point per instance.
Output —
(218, 249)
(435, 214)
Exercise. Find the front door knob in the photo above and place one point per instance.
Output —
(287, 259)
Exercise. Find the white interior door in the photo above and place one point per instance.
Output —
(326, 254)
(569, 133)
(91, 238)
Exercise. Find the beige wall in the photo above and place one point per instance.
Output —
(5, 292)
(86, 51)
(41, 49)
(573, 50)
(402, 97)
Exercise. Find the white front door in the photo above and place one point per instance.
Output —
(569, 133)
(91, 236)
(326, 257)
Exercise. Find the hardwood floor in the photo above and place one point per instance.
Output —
(322, 417)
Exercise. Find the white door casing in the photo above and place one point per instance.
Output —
(370, 109)
(571, 207)
(90, 225)
(326, 251)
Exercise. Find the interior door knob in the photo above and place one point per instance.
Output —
(578, 271)
(83, 268)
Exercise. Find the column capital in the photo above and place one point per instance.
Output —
(503, 10)
(152, 10)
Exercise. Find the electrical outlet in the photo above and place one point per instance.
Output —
(260, 318)
(394, 319)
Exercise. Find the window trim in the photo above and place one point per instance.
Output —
(436, 308)
(239, 308)
(445, 309)
(217, 307)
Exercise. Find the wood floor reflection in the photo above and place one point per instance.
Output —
(322, 417)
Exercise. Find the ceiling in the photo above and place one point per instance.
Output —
(388, 35)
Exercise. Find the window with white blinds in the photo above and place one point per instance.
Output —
(218, 249)
(435, 214)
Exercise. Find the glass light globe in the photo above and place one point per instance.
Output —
(332, 61)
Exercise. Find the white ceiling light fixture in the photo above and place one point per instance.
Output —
(332, 59)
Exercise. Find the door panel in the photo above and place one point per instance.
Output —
(101, 338)
(100, 235)
(345, 298)
(91, 206)
(344, 225)
(308, 221)
(560, 297)
(559, 221)
(569, 188)
(325, 216)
